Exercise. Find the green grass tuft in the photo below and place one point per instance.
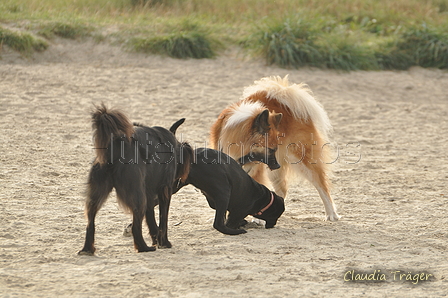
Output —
(65, 30)
(183, 39)
(22, 42)
(303, 43)
(346, 51)
(177, 45)
(143, 3)
(416, 46)
(289, 44)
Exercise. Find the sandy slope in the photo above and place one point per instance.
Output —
(393, 200)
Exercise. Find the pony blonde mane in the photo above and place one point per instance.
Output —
(297, 98)
(243, 111)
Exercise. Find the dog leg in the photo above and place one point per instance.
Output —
(164, 205)
(152, 225)
(139, 243)
(234, 220)
(221, 204)
(220, 225)
(151, 201)
(139, 209)
(132, 196)
(99, 187)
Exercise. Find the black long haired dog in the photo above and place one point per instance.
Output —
(228, 187)
(141, 163)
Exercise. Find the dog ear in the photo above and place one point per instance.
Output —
(261, 123)
(277, 118)
(178, 123)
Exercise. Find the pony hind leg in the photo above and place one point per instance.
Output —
(316, 174)
(164, 206)
(99, 187)
(309, 158)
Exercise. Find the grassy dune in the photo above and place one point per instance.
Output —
(337, 34)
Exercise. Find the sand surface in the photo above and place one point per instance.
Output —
(390, 183)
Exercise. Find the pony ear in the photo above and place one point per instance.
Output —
(261, 123)
(277, 118)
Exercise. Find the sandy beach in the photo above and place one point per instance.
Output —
(390, 183)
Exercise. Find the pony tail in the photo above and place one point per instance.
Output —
(108, 123)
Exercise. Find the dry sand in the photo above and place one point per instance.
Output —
(390, 183)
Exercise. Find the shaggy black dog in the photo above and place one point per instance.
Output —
(228, 187)
(142, 164)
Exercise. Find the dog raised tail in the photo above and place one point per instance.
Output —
(106, 124)
(176, 125)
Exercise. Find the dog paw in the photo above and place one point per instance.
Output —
(165, 244)
(236, 232)
(128, 231)
(230, 231)
(333, 217)
(243, 223)
(148, 248)
(258, 222)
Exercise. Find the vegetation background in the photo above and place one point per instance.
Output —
(337, 34)
(393, 201)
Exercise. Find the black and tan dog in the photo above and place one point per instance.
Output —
(142, 164)
(228, 187)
